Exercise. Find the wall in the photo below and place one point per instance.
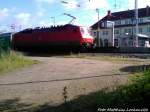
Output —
(122, 32)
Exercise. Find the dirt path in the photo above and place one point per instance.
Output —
(45, 82)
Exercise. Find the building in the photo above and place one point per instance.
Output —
(124, 29)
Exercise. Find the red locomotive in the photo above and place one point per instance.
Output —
(66, 36)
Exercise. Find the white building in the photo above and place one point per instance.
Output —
(124, 31)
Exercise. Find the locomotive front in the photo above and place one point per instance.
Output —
(87, 40)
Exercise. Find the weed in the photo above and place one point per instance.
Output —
(65, 94)
(9, 62)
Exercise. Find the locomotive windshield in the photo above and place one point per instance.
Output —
(85, 30)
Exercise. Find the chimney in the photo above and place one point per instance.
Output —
(147, 10)
(109, 13)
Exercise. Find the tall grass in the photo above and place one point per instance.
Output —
(9, 62)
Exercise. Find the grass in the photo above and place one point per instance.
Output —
(9, 62)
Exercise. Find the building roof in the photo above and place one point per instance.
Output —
(143, 12)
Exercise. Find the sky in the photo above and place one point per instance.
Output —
(20, 14)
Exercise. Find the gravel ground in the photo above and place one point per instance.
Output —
(45, 81)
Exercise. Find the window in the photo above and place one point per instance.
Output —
(118, 22)
(106, 43)
(140, 20)
(126, 21)
(140, 30)
(134, 30)
(105, 32)
(82, 30)
(128, 31)
(130, 21)
(103, 24)
(148, 29)
(116, 42)
(141, 43)
(130, 43)
(95, 33)
(116, 31)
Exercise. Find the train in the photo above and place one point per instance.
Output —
(67, 36)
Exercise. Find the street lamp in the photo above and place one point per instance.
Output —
(98, 29)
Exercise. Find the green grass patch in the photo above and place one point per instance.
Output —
(9, 62)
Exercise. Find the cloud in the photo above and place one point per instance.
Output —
(3, 29)
(3, 13)
(40, 13)
(45, 1)
(23, 19)
(62, 22)
(93, 4)
(50, 23)
(141, 3)
(45, 23)
(41, 8)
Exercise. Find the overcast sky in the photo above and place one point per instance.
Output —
(31, 13)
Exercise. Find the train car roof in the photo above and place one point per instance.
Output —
(51, 28)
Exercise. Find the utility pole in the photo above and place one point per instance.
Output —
(136, 19)
(113, 34)
(113, 31)
(98, 29)
(53, 20)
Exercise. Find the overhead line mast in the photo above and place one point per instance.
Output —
(136, 19)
